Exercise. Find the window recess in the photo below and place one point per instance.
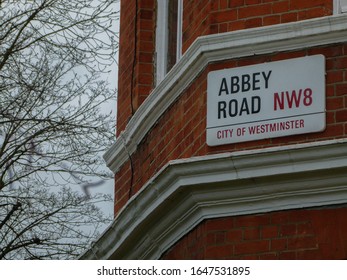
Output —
(168, 36)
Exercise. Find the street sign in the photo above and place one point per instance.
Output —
(266, 100)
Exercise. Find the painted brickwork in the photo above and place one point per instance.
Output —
(181, 131)
(298, 234)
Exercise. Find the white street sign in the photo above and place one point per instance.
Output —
(266, 100)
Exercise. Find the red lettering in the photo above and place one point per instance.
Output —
(293, 99)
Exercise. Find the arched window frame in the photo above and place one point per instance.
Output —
(162, 37)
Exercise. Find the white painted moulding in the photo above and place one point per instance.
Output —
(218, 47)
(187, 191)
(340, 6)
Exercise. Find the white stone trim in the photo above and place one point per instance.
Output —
(187, 191)
(340, 6)
(212, 48)
(336, 7)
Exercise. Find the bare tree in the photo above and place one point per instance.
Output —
(39, 224)
(52, 130)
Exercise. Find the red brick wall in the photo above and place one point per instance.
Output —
(297, 234)
(181, 131)
(203, 17)
(126, 55)
(200, 17)
(136, 52)
(196, 20)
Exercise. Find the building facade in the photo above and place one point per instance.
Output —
(231, 131)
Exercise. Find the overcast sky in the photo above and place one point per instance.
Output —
(112, 77)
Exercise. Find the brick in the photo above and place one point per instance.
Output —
(334, 77)
(288, 230)
(253, 22)
(145, 79)
(146, 47)
(149, 4)
(233, 236)
(296, 243)
(252, 61)
(329, 51)
(236, 25)
(219, 224)
(252, 247)
(146, 14)
(271, 20)
(224, 16)
(289, 55)
(278, 244)
(252, 2)
(251, 221)
(214, 6)
(299, 4)
(236, 3)
(145, 57)
(312, 13)
(289, 17)
(279, 218)
(269, 231)
(223, 4)
(254, 11)
(328, 245)
(219, 252)
(341, 89)
(220, 237)
(280, 7)
(145, 25)
(340, 63)
(335, 103)
(251, 234)
(223, 28)
(300, 216)
(305, 229)
(330, 91)
(341, 116)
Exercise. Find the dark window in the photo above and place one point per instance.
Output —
(172, 34)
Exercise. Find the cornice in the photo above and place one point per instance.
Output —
(217, 47)
(187, 191)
